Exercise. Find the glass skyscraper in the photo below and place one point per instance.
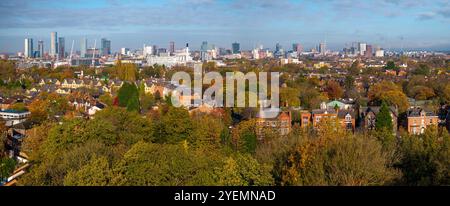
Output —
(61, 47)
(53, 44)
(83, 47)
(235, 47)
(41, 48)
(106, 47)
(28, 48)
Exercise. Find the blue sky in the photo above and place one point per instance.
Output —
(132, 23)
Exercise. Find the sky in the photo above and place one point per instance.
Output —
(407, 24)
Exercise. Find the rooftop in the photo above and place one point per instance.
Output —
(13, 111)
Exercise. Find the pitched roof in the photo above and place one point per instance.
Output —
(417, 112)
(323, 111)
(343, 112)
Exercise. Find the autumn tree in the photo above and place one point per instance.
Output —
(422, 92)
(349, 160)
(289, 96)
(106, 98)
(47, 106)
(244, 137)
(334, 90)
(19, 107)
(390, 93)
(3, 131)
(126, 71)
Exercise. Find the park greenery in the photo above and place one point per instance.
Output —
(141, 139)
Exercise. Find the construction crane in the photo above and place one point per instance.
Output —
(93, 53)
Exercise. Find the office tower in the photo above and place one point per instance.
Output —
(162, 50)
(155, 50)
(297, 48)
(204, 51)
(172, 47)
(368, 52)
(362, 48)
(36, 54)
(235, 48)
(105, 47)
(61, 47)
(204, 46)
(53, 44)
(83, 47)
(294, 47)
(41, 48)
(278, 47)
(28, 48)
(322, 48)
(379, 52)
(124, 51)
(147, 51)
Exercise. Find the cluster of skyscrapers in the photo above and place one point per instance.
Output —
(58, 48)
(363, 49)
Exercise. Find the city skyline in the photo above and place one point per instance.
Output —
(388, 23)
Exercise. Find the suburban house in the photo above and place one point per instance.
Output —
(418, 120)
(16, 134)
(347, 118)
(319, 114)
(281, 123)
(6, 103)
(368, 116)
(98, 106)
(305, 118)
(342, 104)
(13, 117)
(49, 81)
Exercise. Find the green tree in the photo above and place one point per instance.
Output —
(167, 165)
(243, 170)
(244, 137)
(174, 126)
(106, 98)
(384, 119)
(97, 172)
(425, 158)
(147, 102)
(128, 96)
(423, 69)
(7, 166)
(391, 66)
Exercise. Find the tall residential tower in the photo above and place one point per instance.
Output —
(28, 48)
(53, 44)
